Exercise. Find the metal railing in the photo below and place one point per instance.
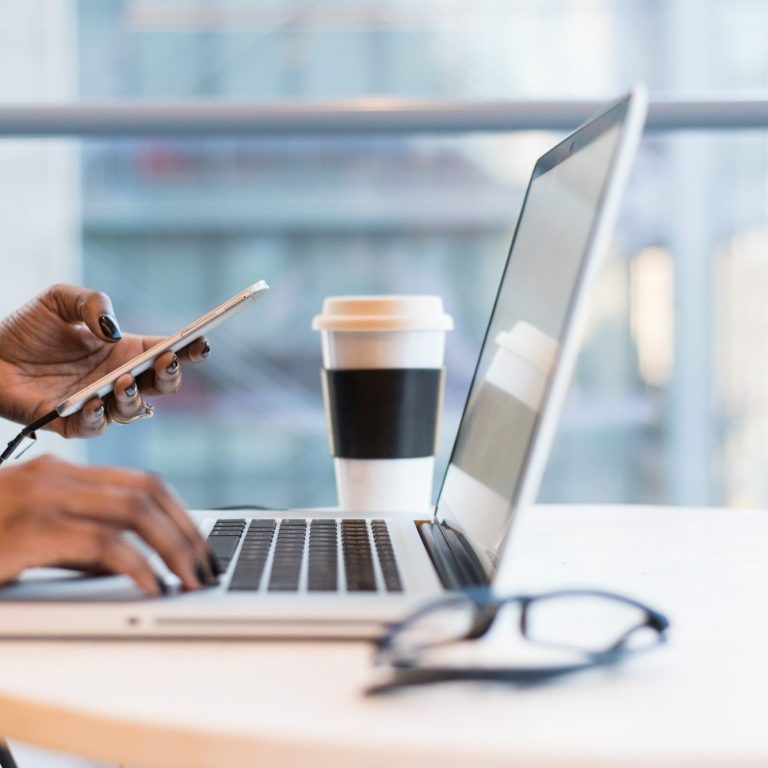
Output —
(368, 116)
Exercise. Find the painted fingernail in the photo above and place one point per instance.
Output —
(206, 349)
(214, 564)
(109, 327)
(174, 366)
(205, 577)
(98, 411)
(162, 586)
(131, 391)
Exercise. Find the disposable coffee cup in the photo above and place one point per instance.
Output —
(383, 380)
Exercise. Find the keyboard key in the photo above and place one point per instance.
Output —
(223, 547)
(228, 526)
(289, 551)
(386, 553)
(223, 540)
(322, 573)
(358, 559)
(253, 556)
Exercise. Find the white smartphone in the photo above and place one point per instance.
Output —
(144, 361)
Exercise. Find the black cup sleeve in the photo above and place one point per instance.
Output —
(383, 413)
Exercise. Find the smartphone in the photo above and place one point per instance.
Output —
(144, 361)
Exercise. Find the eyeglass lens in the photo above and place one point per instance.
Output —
(445, 622)
(591, 623)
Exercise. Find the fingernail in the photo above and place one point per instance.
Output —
(174, 366)
(98, 411)
(109, 327)
(131, 391)
(214, 564)
(203, 577)
(162, 586)
(206, 349)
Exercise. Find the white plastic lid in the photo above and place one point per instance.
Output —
(383, 313)
(531, 344)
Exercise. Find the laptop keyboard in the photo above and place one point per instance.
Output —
(320, 555)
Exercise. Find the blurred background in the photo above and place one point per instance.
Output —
(670, 400)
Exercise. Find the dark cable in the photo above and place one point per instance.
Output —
(6, 758)
(28, 431)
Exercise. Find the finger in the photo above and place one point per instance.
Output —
(144, 503)
(166, 374)
(195, 352)
(174, 507)
(90, 421)
(171, 505)
(93, 546)
(94, 308)
(126, 400)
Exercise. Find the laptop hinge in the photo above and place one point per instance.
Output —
(457, 566)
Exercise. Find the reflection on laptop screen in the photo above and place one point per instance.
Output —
(524, 338)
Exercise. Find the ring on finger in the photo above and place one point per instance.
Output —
(146, 411)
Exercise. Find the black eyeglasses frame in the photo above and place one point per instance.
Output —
(407, 671)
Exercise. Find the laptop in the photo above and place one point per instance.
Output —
(312, 573)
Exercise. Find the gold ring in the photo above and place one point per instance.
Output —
(146, 411)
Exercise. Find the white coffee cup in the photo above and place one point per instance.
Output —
(383, 384)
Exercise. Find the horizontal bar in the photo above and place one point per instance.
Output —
(356, 117)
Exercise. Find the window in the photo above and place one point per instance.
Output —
(669, 402)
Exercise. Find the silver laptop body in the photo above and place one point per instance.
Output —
(316, 573)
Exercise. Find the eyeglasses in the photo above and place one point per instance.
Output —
(592, 627)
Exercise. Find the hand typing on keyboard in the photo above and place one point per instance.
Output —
(53, 513)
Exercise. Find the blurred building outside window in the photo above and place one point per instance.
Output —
(670, 400)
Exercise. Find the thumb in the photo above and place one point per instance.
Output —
(94, 308)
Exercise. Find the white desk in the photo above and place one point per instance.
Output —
(700, 701)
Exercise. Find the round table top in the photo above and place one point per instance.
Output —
(698, 700)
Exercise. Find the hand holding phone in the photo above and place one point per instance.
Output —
(47, 347)
(104, 386)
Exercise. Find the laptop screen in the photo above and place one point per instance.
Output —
(526, 332)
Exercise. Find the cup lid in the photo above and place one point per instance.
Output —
(383, 313)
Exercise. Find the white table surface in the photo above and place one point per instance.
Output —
(701, 700)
